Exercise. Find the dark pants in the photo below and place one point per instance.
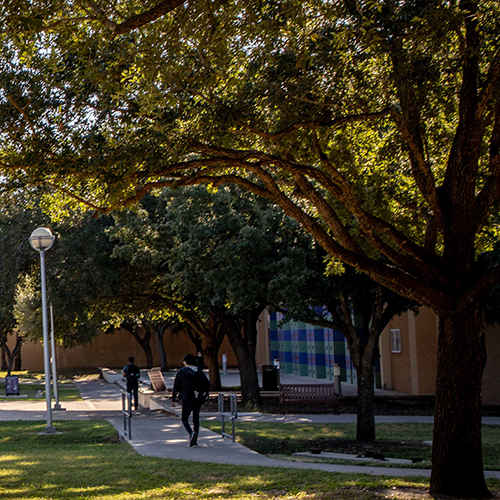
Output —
(189, 406)
(134, 389)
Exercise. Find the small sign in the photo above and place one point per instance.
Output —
(157, 381)
(12, 385)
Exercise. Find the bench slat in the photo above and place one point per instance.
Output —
(309, 393)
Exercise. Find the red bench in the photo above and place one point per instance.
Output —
(308, 394)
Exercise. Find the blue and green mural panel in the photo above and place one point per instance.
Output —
(307, 350)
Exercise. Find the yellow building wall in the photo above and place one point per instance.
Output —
(413, 371)
(426, 350)
(113, 350)
(399, 367)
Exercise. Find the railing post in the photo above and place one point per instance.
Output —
(127, 413)
(233, 415)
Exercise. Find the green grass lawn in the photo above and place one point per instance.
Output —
(394, 440)
(24, 374)
(67, 392)
(87, 462)
(62, 374)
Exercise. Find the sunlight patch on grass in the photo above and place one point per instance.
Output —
(86, 489)
(9, 458)
(83, 464)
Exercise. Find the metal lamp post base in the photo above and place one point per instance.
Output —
(49, 430)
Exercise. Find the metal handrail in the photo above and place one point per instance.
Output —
(232, 415)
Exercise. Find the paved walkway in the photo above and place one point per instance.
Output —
(37, 410)
(157, 434)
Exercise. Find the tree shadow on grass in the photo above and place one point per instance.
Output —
(86, 461)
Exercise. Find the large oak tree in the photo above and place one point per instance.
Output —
(375, 124)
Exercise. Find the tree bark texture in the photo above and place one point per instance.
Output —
(457, 465)
(18, 362)
(146, 346)
(365, 422)
(160, 347)
(12, 355)
(250, 391)
(211, 355)
(243, 339)
(457, 179)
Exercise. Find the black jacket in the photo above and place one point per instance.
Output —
(184, 384)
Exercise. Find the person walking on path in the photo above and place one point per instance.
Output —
(191, 385)
(131, 374)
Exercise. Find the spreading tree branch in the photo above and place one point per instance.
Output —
(22, 111)
(337, 122)
(137, 21)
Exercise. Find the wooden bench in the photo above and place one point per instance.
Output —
(308, 394)
(157, 380)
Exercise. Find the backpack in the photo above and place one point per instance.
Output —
(133, 374)
(201, 386)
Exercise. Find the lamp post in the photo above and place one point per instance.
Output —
(41, 240)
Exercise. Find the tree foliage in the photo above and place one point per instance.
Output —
(218, 260)
(16, 224)
(376, 124)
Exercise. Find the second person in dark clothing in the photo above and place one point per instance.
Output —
(186, 388)
(132, 374)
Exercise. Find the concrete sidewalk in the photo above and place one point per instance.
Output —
(37, 410)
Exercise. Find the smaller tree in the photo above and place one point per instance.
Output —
(79, 273)
(17, 221)
(347, 301)
(215, 255)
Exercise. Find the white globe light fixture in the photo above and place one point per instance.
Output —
(41, 240)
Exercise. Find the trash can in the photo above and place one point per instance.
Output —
(270, 378)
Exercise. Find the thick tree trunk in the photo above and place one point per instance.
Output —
(211, 355)
(159, 331)
(363, 349)
(18, 360)
(457, 465)
(250, 391)
(11, 355)
(243, 341)
(365, 428)
(149, 354)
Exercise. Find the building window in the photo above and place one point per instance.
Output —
(395, 341)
